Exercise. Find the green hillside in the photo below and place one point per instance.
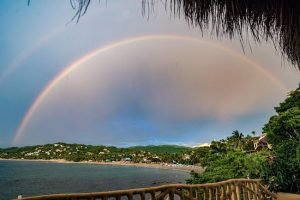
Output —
(159, 149)
(81, 152)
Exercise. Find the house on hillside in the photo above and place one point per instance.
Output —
(127, 159)
(204, 145)
(146, 160)
(262, 142)
(155, 159)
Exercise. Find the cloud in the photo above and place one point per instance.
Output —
(147, 90)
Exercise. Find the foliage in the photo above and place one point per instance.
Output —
(229, 158)
(80, 152)
(198, 153)
(236, 139)
(160, 149)
(279, 168)
(282, 172)
(284, 126)
(293, 101)
(235, 164)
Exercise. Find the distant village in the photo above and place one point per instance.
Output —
(148, 154)
(76, 153)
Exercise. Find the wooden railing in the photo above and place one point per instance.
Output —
(235, 189)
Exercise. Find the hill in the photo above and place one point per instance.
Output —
(81, 152)
(160, 149)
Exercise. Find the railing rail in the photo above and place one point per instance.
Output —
(233, 189)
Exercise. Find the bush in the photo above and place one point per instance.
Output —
(228, 166)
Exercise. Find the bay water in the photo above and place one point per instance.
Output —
(29, 178)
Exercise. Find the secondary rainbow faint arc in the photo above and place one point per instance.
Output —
(27, 54)
(90, 55)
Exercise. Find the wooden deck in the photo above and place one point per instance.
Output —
(288, 196)
(234, 189)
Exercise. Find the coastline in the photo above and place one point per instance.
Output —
(165, 166)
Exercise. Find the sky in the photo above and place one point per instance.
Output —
(120, 78)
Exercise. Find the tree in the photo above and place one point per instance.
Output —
(236, 139)
(218, 147)
(280, 168)
(248, 143)
(235, 164)
(199, 153)
(293, 101)
(282, 172)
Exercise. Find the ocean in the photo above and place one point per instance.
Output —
(29, 178)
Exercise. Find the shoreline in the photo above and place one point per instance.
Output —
(166, 166)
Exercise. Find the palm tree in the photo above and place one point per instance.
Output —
(248, 143)
(237, 138)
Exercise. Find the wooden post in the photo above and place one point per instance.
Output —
(181, 194)
(143, 196)
(191, 194)
(152, 195)
(223, 192)
(230, 190)
(130, 196)
(171, 194)
(238, 191)
(198, 194)
(217, 193)
(205, 195)
(233, 191)
(210, 194)
(247, 191)
(243, 191)
(255, 189)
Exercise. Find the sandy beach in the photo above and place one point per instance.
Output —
(123, 163)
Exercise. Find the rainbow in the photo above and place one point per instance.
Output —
(69, 69)
(27, 54)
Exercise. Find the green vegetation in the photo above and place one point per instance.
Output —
(233, 164)
(234, 157)
(160, 149)
(80, 152)
(229, 158)
(282, 172)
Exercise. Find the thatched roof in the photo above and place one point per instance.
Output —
(270, 20)
(275, 20)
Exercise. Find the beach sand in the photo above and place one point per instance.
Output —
(123, 163)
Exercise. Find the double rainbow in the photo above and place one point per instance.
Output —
(69, 69)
